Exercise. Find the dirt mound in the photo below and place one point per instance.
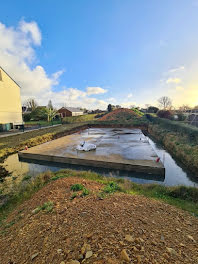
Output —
(90, 229)
(121, 114)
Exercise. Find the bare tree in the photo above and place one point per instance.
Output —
(183, 108)
(31, 103)
(165, 102)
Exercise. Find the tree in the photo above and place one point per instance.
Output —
(31, 103)
(183, 108)
(165, 102)
(51, 113)
(50, 106)
(109, 108)
(164, 114)
(152, 109)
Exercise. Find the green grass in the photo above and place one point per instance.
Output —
(77, 119)
(111, 187)
(47, 207)
(77, 187)
(43, 122)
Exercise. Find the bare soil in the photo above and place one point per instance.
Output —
(120, 228)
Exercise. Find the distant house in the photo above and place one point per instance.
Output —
(10, 102)
(70, 111)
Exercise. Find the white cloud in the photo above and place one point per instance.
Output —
(173, 80)
(17, 54)
(95, 90)
(129, 95)
(32, 29)
(181, 68)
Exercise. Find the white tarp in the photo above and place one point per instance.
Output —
(86, 146)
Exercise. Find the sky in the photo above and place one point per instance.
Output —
(89, 53)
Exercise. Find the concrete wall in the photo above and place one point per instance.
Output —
(10, 101)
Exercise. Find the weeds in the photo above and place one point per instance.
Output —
(77, 187)
(85, 192)
(47, 207)
(111, 187)
(74, 195)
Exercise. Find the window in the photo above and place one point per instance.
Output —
(0, 76)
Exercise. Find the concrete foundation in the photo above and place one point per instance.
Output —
(117, 148)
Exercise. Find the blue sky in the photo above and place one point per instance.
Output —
(94, 52)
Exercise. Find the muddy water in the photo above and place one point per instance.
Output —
(175, 173)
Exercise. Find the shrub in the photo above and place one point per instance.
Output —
(164, 114)
(26, 117)
(180, 128)
(181, 117)
(85, 192)
(111, 187)
(74, 195)
(77, 187)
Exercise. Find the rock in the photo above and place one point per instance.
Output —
(129, 238)
(72, 262)
(171, 251)
(85, 248)
(59, 251)
(191, 238)
(124, 255)
(88, 254)
(34, 255)
(138, 259)
(62, 262)
(35, 211)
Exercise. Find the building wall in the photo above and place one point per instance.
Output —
(10, 101)
(77, 113)
(64, 112)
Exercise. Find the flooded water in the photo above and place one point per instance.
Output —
(175, 173)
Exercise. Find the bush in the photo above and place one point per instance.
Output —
(77, 187)
(164, 114)
(181, 117)
(26, 117)
(175, 126)
(111, 187)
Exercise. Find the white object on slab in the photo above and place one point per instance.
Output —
(86, 146)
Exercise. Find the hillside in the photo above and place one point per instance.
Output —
(60, 226)
(121, 115)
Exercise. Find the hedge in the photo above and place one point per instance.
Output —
(176, 126)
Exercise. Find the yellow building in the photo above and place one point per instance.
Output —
(10, 102)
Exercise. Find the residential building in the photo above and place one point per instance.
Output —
(10, 102)
(70, 111)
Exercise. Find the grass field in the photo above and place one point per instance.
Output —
(43, 122)
(77, 119)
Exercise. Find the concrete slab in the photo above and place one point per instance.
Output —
(117, 148)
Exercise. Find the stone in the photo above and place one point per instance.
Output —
(124, 255)
(34, 255)
(59, 251)
(129, 238)
(191, 238)
(62, 262)
(88, 254)
(73, 262)
(85, 248)
(171, 251)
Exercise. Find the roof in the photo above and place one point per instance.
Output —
(72, 109)
(9, 76)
